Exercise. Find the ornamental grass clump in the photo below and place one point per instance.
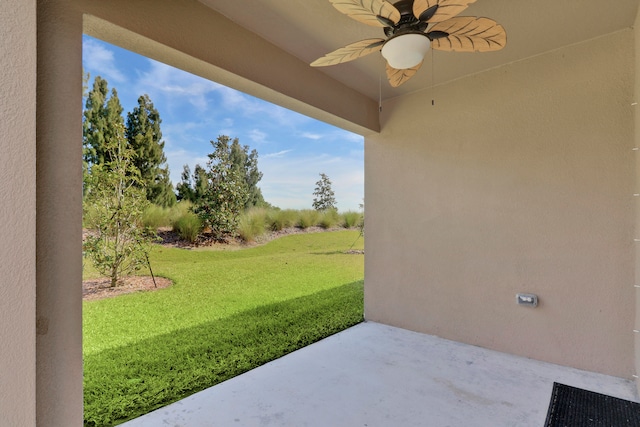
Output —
(328, 218)
(188, 226)
(281, 219)
(155, 217)
(179, 209)
(351, 219)
(308, 218)
(252, 224)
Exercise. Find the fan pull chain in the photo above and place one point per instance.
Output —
(380, 92)
(433, 98)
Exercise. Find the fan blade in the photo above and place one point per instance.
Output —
(446, 9)
(349, 52)
(367, 11)
(470, 34)
(397, 77)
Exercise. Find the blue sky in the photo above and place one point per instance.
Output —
(292, 149)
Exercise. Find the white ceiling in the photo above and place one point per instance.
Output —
(309, 29)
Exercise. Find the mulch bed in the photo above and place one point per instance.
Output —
(101, 288)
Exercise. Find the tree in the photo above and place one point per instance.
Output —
(247, 165)
(323, 194)
(113, 205)
(243, 162)
(145, 138)
(225, 196)
(192, 187)
(102, 122)
(184, 188)
(199, 182)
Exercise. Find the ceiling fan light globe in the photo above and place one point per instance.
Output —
(406, 51)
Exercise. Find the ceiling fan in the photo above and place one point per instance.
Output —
(411, 27)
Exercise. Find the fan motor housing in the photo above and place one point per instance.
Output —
(405, 7)
(408, 22)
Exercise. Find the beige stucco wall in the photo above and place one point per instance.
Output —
(636, 110)
(519, 179)
(17, 212)
(59, 217)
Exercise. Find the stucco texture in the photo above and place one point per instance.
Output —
(519, 179)
(636, 151)
(17, 212)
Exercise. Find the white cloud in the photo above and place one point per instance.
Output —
(174, 87)
(231, 99)
(351, 137)
(337, 135)
(278, 154)
(309, 135)
(257, 136)
(248, 106)
(98, 60)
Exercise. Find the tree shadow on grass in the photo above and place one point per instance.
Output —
(329, 253)
(345, 252)
(125, 382)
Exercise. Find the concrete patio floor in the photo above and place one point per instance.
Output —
(376, 375)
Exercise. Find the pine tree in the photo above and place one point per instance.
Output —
(145, 138)
(184, 187)
(101, 124)
(199, 183)
(324, 198)
(192, 186)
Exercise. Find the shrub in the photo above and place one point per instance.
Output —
(179, 209)
(155, 217)
(328, 218)
(89, 216)
(308, 218)
(279, 219)
(252, 224)
(188, 226)
(351, 219)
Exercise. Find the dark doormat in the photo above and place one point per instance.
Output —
(575, 407)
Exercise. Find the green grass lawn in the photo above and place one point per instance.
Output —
(227, 312)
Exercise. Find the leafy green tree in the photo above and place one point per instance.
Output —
(324, 197)
(101, 123)
(246, 163)
(184, 187)
(225, 196)
(165, 195)
(114, 203)
(145, 138)
(200, 182)
(192, 186)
